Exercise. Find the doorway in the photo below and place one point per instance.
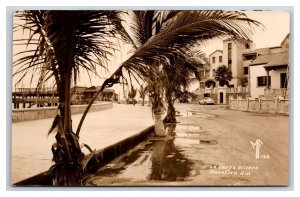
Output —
(221, 98)
(283, 81)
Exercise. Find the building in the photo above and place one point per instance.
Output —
(232, 57)
(82, 95)
(215, 60)
(268, 70)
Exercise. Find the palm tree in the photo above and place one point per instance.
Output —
(184, 71)
(67, 42)
(159, 36)
(132, 95)
(223, 75)
(143, 91)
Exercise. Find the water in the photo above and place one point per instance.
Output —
(158, 159)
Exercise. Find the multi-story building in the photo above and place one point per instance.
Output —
(232, 57)
(215, 60)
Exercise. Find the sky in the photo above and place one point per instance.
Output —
(276, 27)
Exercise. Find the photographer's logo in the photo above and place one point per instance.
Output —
(257, 145)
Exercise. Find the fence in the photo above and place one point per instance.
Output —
(275, 106)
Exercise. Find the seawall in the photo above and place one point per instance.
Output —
(19, 115)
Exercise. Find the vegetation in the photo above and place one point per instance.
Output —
(131, 96)
(223, 75)
(143, 92)
(179, 76)
(244, 82)
(68, 42)
(210, 83)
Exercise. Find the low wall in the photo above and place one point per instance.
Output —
(19, 115)
(104, 156)
(275, 106)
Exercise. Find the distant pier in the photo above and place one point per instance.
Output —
(28, 97)
(48, 97)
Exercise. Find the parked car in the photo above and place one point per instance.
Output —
(207, 101)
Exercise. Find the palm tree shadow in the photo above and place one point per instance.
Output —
(168, 163)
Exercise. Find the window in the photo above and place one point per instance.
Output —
(207, 73)
(220, 58)
(229, 46)
(213, 59)
(230, 66)
(214, 72)
(201, 73)
(229, 53)
(202, 84)
(262, 81)
(246, 69)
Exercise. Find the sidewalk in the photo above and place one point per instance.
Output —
(31, 148)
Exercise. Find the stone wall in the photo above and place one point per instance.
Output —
(275, 106)
(19, 115)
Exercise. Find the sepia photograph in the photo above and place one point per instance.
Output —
(104, 98)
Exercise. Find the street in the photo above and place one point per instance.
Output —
(212, 146)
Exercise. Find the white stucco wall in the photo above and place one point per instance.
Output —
(237, 60)
(215, 65)
(259, 70)
(275, 77)
(256, 71)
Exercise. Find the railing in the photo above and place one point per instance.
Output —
(238, 90)
(34, 90)
(262, 105)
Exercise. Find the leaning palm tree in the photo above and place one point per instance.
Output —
(179, 76)
(66, 43)
(159, 36)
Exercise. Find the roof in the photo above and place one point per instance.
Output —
(286, 38)
(216, 51)
(273, 59)
(261, 51)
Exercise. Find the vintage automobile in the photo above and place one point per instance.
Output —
(206, 101)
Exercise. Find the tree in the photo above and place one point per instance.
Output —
(143, 92)
(72, 40)
(223, 75)
(244, 82)
(183, 72)
(160, 36)
(132, 95)
(66, 42)
(210, 83)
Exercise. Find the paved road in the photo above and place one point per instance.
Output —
(31, 148)
(212, 147)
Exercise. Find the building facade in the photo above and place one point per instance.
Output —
(269, 70)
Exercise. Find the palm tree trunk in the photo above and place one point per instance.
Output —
(143, 101)
(158, 124)
(171, 112)
(67, 108)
